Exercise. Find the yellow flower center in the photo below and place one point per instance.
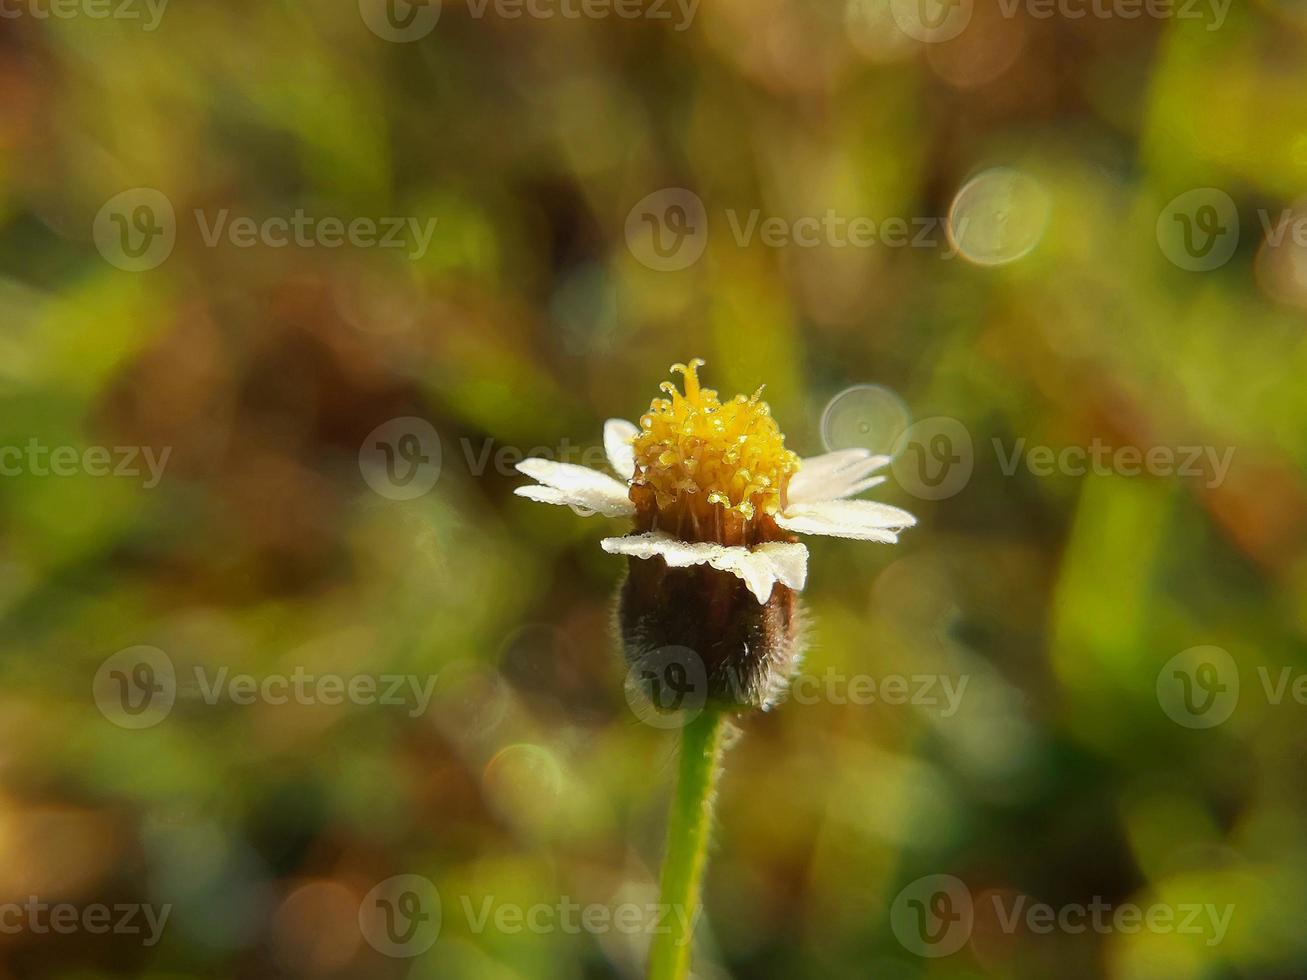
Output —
(707, 470)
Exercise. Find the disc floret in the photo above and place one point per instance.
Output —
(709, 471)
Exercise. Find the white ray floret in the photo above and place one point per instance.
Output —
(836, 475)
(759, 569)
(861, 520)
(618, 436)
(577, 486)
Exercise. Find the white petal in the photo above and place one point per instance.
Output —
(599, 503)
(564, 476)
(618, 434)
(577, 486)
(759, 569)
(862, 520)
(835, 475)
(789, 560)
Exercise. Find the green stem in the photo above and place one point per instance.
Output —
(688, 826)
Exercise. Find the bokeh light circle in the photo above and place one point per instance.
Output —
(866, 416)
(998, 216)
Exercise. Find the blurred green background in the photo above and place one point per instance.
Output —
(538, 309)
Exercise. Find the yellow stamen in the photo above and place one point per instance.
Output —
(695, 455)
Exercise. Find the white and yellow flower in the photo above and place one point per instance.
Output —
(711, 483)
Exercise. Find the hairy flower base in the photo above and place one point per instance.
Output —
(748, 649)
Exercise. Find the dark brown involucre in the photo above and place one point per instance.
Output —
(748, 650)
